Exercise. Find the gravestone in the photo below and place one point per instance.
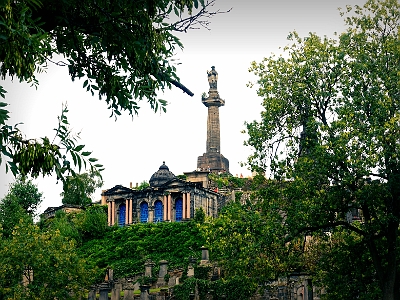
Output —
(144, 292)
(116, 291)
(92, 295)
(128, 294)
(163, 268)
(148, 268)
(161, 274)
(204, 256)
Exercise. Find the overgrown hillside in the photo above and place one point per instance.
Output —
(125, 249)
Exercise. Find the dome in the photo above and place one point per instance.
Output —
(161, 176)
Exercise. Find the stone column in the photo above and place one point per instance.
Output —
(144, 292)
(126, 211)
(112, 213)
(169, 209)
(163, 268)
(161, 274)
(150, 214)
(165, 208)
(148, 267)
(130, 211)
(128, 294)
(188, 205)
(104, 290)
(116, 291)
(109, 214)
(92, 295)
(183, 206)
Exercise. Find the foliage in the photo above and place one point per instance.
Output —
(48, 264)
(232, 289)
(228, 181)
(246, 240)
(79, 188)
(199, 215)
(330, 128)
(21, 202)
(202, 272)
(126, 249)
(343, 267)
(40, 156)
(27, 194)
(88, 224)
(182, 177)
(143, 185)
(121, 69)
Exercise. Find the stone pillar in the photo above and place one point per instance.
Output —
(165, 207)
(169, 209)
(192, 261)
(144, 292)
(128, 294)
(148, 267)
(188, 205)
(150, 217)
(204, 255)
(130, 211)
(163, 268)
(92, 295)
(126, 211)
(104, 290)
(116, 291)
(112, 213)
(109, 214)
(183, 206)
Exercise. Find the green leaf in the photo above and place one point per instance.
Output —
(86, 153)
(78, 148)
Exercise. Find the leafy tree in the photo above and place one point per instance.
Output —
(92, 222)
(121, 69)
(27, 194)
(247, 242)
(45, 262)
(21, 202)
(143, 185)
(330, 128)
(79, 188)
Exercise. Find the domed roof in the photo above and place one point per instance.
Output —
(161, 176)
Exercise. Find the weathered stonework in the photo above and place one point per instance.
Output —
(168, 198)
(213, 160)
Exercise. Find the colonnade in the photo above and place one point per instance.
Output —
(167, 209)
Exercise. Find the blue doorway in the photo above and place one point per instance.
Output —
(178, 209)
(122, 212)
(158, 211)
(144, 212)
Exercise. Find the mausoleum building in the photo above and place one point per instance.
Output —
(168, 198)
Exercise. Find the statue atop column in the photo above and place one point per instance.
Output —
(213, 160)
(212, 78)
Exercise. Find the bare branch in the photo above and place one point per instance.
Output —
(200, 19)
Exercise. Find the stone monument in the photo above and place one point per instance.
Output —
(213, 160)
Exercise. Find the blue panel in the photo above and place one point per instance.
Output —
(178, 209)
(122, 211)
(158, 211)
(144, 212)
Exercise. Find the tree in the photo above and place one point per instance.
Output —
(21, 202)
(143, 185)
(79, 189)
(330, 129)
(246, 243)
(122, 68)
(48, 266)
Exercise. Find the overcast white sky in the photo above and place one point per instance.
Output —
(132, 150)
